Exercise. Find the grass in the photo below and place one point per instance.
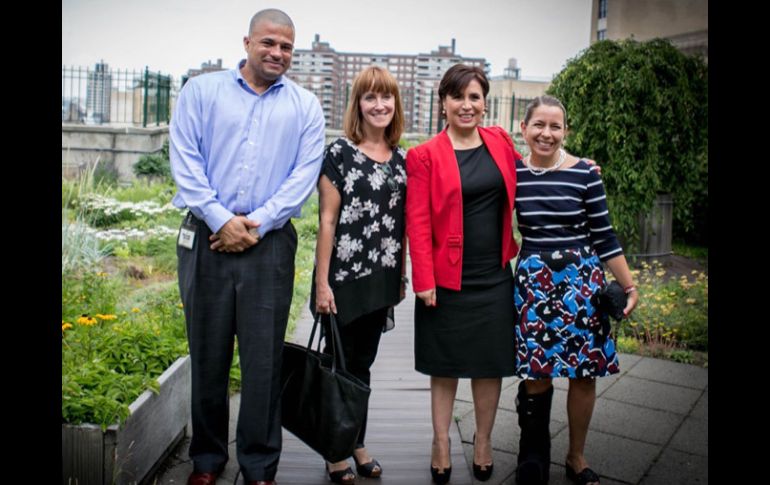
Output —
(698, 253)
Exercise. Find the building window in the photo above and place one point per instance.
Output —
(601, 34)
(602, 9)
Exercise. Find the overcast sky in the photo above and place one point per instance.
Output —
(173, 36)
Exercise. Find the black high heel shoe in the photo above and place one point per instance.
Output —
(481, 475)
(339, 476)
(372, 469)
(585, 476)
(441, 476)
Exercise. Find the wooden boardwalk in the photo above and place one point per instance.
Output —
(399, 432)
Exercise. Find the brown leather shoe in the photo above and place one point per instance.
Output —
(202, 479)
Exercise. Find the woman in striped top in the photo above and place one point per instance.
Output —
(567, 235)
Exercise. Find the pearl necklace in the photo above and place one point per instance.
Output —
(542, 170)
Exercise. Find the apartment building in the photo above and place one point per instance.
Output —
(329, 75)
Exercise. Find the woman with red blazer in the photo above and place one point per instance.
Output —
(459, 210)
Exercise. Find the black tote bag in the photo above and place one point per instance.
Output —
(321, 403)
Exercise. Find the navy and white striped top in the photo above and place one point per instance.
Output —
(566, 208)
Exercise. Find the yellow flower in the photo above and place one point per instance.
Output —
(106, 317)
(86, 320)
(102, 274)
(660, 273)
(179, 305)
(135, 310)
(691, 301)
(65, 325)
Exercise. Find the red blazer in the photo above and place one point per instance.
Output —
(434, 207)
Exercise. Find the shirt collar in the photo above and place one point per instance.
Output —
(279, 83)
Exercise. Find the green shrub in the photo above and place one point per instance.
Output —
(671, 314)
(154, 165)
(641, 110)
(110, 357)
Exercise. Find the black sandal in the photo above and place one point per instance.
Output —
(372, 469)
(339, 476)
(585, 476)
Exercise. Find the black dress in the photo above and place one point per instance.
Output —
(470, 333)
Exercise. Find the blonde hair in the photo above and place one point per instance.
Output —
(378, 80)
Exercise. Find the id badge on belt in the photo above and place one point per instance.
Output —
(187, 232)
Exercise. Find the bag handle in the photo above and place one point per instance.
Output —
(338, 355)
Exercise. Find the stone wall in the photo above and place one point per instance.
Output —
(114, 148)
(119, 148)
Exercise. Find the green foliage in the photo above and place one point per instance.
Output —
(698, 253)
(154, 165)
(142, 190)
(627, 345)
(681, 356)
(407, 144)
(109, 356)
(80, 248)
(672, 314)
(641, 111)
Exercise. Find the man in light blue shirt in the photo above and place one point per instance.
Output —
(246, 150)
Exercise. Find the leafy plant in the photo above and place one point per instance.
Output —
(155, 164)
(110, 357)
(672, 313)
(641, 111)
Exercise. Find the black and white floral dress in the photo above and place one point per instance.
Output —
(365, 267)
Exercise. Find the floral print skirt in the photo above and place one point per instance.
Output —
(559, 333)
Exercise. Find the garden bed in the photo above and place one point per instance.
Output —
(129, 452)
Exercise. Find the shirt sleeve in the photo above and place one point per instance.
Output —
(603, 237)
(333, 165)
(303, 178)
(188, 166)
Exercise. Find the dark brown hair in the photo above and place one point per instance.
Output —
(457, 78)
(544, 100)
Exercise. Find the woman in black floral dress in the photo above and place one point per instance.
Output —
(359, 273)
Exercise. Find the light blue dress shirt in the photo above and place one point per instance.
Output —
(235, 151)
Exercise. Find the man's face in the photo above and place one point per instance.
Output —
(269, 48)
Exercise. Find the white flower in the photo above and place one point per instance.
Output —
(372, 208)
(376, 179)
(365, 272)
(352, 212)
(357, 266)
(340, 275)
(335, 149)
(374, 255)
(395, 196)
(390, 247)
(347, 247)
(359, 157)
(389, 222)
(350, 178)
(372, 228)
(401, 152)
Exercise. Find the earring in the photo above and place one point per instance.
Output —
(443, 112)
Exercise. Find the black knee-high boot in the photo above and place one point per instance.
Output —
(535, 443)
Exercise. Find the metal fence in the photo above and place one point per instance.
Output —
(98, 95)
